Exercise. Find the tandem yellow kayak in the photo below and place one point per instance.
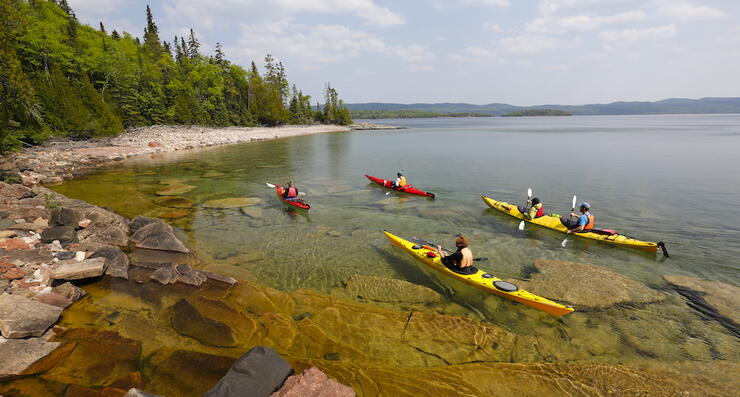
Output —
(481, 279)
(553, 222)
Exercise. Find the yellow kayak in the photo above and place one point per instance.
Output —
(553, 222)
(481, 279)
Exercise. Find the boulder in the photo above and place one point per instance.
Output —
(172, 273)
(313, 383)
(106, 227)
(597, 287)
(154, 234)
(258, 373)
(65, 234)
(22, 317)
(65, 216)
(87, 268)
(116, 261)
(235, 202)
(383, 289)
(18, 355)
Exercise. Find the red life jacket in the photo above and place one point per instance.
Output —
(292, 192)
(540, 212)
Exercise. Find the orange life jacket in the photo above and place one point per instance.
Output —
(590, 224)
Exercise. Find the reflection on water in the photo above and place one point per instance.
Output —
(651, 177)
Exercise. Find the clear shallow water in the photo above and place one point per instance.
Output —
(670, 178)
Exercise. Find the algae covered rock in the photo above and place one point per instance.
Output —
(715, 296)
(173, 202)
(586, 286)
(212, 322)
(383, 289)
(235, 202)
(175, 190)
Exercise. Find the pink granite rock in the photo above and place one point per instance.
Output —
(313, 383)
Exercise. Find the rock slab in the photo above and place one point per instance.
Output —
(22, 317)
(17, 355)
(313, 383)
(94, 267)
(154, 234)
(714, 297)
(258, 373)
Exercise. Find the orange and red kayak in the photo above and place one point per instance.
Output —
(406, 189)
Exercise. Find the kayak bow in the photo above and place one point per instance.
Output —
(406, 189)
(553, 222)
(481, 279)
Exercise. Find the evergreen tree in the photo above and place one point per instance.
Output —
(114, 35)
(151, 36)
(193, 46)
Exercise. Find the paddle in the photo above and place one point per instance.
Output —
(572, 210)
(433, 246)
(273, 186)
(529, 197)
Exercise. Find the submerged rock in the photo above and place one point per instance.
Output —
(212, 322)
(188, 373)
(586, 286)
(260, 372)
(22, 317)
(712, 298)
(252, 212)
(236, 202)
(139, 393)
(175, 190)
(173, 202)
(383, 289)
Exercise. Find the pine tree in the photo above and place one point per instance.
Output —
(193, 46)
(220, 57)
(102, 28)
(151, 36)
(65, 7)
(114, 35)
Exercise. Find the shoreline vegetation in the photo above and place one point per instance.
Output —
(61, 78)
(537, 113)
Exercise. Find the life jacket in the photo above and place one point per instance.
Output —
(401, 181)
(467, 257)
(292, 192)
(540, 210)
(590, 224)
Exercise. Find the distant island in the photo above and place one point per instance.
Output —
(410, 114)
(537, 112)
(666, 106)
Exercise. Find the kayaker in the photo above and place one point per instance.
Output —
(584, 223)
(291, 192)
(460, 261)
(535, 209)
(400, 181)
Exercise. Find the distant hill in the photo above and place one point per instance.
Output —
(538, 112)
(666, 106)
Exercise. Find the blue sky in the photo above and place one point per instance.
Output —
(522, 52)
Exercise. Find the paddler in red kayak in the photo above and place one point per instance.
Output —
(291, 192)
(400, 181)
(460, 261)
(535, 209)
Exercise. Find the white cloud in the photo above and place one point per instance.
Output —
(535, 43)
(365, 9)
(493, 27)
(630, 35)
(685, 11)
(496, 3)
(582, 22)
(95, 7)
(732, 36)
(547, 7)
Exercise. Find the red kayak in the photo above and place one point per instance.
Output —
(406, 189)
(298, 203)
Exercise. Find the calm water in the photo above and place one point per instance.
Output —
(671, 178)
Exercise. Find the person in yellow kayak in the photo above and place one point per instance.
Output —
(535, 209)
(584, 223)
(460, 261)
(291, 192)
(400, 181)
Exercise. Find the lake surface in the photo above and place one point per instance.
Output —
(671, 178)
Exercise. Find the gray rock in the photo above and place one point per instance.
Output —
(154, 234)
(14, 192)
(17, 355)
(139, 393)
(65, 216)
(313, 383)
(22, 317)
(172, 273)
(115, 260)
(70, 291)
(64, 255)
(65, 234)
(260, 372)
(78, 270)
(190, 321)
(166, 274)
(106, 228)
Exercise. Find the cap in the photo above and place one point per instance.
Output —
(585, 205)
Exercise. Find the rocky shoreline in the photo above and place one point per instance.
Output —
(60, 160)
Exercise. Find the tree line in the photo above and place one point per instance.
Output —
(62, 78)
(410, 114)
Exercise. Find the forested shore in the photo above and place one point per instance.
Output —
(61, 78)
